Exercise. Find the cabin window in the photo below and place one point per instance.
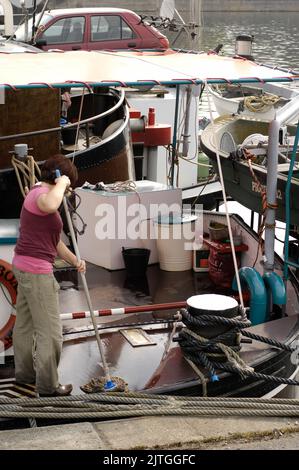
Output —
(109, 28)
(65, 31)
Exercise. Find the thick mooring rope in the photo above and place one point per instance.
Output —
(126, 405)
(27, 170)
(259, 104)
(221, 351)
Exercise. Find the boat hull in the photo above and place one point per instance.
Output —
(231, 99)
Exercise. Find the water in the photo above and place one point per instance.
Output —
(276, 35)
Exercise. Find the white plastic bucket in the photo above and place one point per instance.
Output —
(175, 237)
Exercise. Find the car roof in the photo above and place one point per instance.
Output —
(74, 11)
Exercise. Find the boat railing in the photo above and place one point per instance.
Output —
(287, 261)
(288, 112)
(283, 115)
(120, 102)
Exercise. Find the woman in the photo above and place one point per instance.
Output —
(37, 301)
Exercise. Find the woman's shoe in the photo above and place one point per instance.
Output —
(60, 391)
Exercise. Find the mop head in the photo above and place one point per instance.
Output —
(97, 385)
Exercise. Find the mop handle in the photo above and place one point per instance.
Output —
(83, 278)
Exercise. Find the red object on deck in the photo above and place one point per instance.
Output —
(153, 134)
(158, 134)
(134, 113)
(221, 265)
(151, 117)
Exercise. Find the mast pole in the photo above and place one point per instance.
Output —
(174, 137)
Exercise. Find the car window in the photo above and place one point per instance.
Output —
(109, 27)
(65, 31)
(127, 32)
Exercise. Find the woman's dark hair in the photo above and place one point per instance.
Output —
(61, 163)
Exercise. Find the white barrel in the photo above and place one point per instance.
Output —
(175, 236)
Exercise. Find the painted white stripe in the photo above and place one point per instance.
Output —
(117, 311)
(8, 384)
(12, 394)
(66, 316)
(12, 379)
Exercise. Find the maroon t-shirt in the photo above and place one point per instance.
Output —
(39, 234)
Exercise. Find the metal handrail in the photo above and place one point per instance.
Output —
(288, 263)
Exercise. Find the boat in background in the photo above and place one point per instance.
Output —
(243, 144)
(259, 100)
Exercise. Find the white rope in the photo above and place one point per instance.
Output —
(225, 203)
(28, 170)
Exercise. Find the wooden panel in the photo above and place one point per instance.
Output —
(30, 110)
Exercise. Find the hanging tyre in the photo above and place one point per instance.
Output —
(8, 280)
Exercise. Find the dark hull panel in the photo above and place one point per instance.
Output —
(241, 187)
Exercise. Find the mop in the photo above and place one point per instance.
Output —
(106, 383)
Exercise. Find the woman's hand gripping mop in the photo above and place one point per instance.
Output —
(107, 383)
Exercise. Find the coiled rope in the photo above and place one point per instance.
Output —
(258, 104)
(221, 351)
(26, 170)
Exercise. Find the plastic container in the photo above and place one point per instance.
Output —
(175, 237)
(203, 171)
(136, 261)
(218, 231)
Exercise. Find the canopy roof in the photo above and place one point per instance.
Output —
(127, 68)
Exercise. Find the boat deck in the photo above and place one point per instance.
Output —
(148, 367)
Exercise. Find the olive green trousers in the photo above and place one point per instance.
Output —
(37, 334)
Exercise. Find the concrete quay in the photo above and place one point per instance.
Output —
(157, 433)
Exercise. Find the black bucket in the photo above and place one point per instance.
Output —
(136, 261)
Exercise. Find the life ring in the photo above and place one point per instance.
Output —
(7, 278)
